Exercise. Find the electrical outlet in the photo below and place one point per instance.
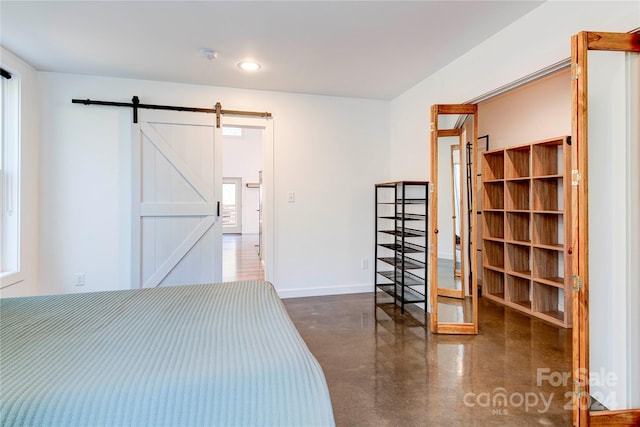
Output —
(79, 279)
(364, 263)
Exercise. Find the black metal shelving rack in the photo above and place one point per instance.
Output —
(401, 241)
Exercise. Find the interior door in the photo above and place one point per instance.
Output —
(605, 148)
(453, 311)
(176, 189)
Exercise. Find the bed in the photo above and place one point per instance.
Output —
(222, 354)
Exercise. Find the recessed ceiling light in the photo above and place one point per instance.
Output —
(249, 66)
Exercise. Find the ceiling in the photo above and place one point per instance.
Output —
(362, 49)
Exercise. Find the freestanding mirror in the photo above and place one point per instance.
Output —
(606, 231)
(453, 300)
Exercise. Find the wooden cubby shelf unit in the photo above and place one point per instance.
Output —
(525, 228)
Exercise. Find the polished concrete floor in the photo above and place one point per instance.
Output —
(387, 369)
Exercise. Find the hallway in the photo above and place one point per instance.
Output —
(240, 260)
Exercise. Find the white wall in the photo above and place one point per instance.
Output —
(329, 150)
(534, 42)
(243, 159)
(29, 131)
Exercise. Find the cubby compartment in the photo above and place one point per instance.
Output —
(548, 266)
(517, 197)
(518, 291)
(493, 283)
(517, 163)
(493, 254)
(548, 230)
(548, 194)
(493, 195)
(548, 158)
(493, 225)
(518, 259)
(493, 166)
(518, 227)
(546, 301)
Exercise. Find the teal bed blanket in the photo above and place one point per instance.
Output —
(204, 355)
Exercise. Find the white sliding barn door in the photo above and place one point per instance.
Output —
(177, 183)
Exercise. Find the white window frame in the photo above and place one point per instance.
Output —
(10, 183)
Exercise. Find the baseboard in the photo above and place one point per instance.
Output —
(329, 290)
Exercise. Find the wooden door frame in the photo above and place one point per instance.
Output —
(435, 132)
(581, 43)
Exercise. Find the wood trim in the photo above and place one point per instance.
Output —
(433, 220)
(457, 328)
(451, 293)
(448, 132)
(627, 417)
(474, 213)
(456, 108)
(580, 336)
(613, 41)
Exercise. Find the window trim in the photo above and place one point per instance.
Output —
(11, 188)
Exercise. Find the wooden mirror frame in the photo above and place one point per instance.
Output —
(435, 325)
(581, 43)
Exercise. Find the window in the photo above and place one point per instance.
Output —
(10, 178)
(231, 131)
(231, 205)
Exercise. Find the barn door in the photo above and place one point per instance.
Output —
(177, 184)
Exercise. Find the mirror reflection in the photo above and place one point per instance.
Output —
(456, 201)
(453, 301)
(453, 307)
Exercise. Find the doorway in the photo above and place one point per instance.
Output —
(232, 205)
(242, 165)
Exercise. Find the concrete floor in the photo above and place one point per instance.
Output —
(385, 369)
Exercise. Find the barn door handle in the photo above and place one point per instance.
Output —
(218, 209)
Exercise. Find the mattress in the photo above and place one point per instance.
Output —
(204, 355)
